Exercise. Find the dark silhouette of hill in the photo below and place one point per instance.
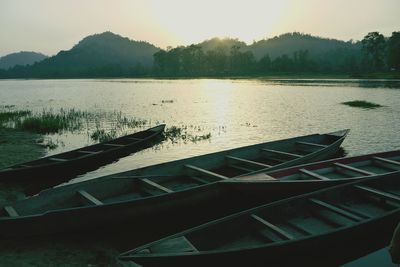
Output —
(99, 55)
(111, 55)
(22, 58)
(289, 43)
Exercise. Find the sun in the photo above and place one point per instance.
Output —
(194, 21)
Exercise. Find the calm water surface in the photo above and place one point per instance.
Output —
(235, 112)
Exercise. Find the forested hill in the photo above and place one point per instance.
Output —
(110, 55)
(289, 43)
(99, 55)
(21, 58)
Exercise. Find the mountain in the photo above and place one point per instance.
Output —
(98, 55)
(290, 43)
(21, 58)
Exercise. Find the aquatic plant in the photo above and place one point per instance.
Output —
(362, 104)
(50, 122)
(176, 134)
(100, 135)
(9, 116)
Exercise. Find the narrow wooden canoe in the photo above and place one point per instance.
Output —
(58, 168)
(324, 228)
(147, 193)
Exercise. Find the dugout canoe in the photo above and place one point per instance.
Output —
(324, 228)
(55, 169)
(163, 191)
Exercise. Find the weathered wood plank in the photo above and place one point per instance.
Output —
(157, 186)
(58, 159)
(336, 209)
(387, 161)
(249, 162)
(89, 152)
(116, 145)
(377, 192)
(350, 168)
(11, 211)
(89, 198)
(272, 227)
(311, 144)
(206, 172)
(281, 153)
(313, 174)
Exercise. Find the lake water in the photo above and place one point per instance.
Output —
(235, 112)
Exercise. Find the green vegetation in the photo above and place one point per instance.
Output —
(100, 135)
(9, 116)
(361, 104)
(176, 134)
(110, 55)
(50, 122)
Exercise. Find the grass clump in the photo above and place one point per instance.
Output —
(100, 135)
(9, 116)
(50, 122)
(176, 134)
(362, 104)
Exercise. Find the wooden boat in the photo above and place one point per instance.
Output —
(323, 228)
(55, 169)
(142, 194)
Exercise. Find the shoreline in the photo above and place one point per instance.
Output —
(394, 75)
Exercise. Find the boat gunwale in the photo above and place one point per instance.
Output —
(9, 169)
(125, 255)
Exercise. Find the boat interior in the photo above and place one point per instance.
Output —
(288, 220)
(86, 151)
(128, 187)
(336, 170)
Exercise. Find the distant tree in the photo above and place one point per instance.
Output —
(264, 65)
(373, 45)
(283, 63)
(393, 51)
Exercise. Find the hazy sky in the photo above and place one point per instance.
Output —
(49, 26)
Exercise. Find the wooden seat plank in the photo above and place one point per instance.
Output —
(311, 144)
(11, 211)
(240, 168)
(58, 159)
(336, 209)
(134, 139)
(157, 186)
(314, 174)
(272, 227)
(206, 172)
(281, 153)
(116, 145)
(89, 198)
(88, 152)
(387, 161)
(377, 192)
(350, 168)
(250, 162)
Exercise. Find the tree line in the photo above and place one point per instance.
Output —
(377, 54)
(110, 55)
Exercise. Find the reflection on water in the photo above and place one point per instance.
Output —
(235, 112)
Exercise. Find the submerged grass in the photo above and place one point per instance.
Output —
(49, 121)
(176, 134)
(9, 116)
(100, 135)
(362, 104)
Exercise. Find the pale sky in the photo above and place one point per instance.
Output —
(49, 26)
